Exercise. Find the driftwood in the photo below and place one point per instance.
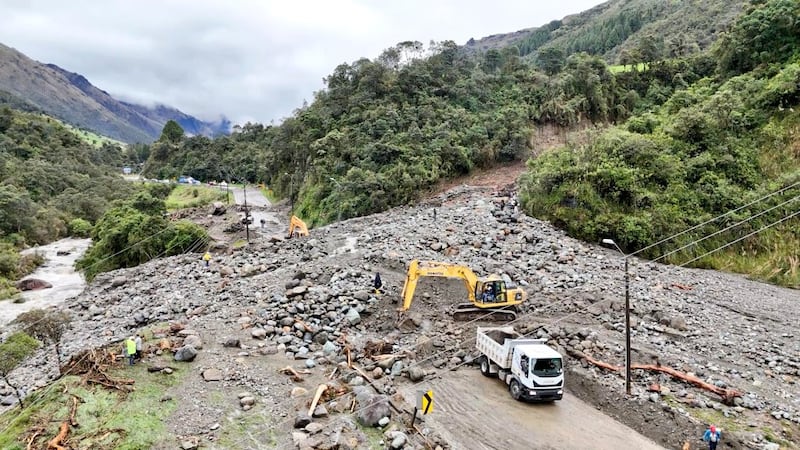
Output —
(55, 443)
(320, 389)
(727, 394)
(289, 370)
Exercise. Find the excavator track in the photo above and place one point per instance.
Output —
(467, 311)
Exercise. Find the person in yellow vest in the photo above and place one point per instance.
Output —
(130, 350)
(207, 257)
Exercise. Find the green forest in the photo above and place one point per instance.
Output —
(690, 126)
(55, 184)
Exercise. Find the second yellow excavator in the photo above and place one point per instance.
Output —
(297, 227)
(491, 298)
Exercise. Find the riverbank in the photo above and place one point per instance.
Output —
(58, 270)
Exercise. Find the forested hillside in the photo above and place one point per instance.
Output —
(621, 31)
(714, 146)
(53, 184)
(701, 132)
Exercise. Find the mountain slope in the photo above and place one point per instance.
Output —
(72, 98)
(619, 26)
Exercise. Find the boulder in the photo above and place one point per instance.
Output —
(301, 420)
(258, 333)
(119, 281)
(32, 284)
(186, 353)
(231, 342)
(372, 408)
(217, 209)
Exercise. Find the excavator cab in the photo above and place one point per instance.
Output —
(297, 227)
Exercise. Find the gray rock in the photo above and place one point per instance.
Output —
(212, 374)
(119, 281)
(258, 333)
(217, 209)
(231, 343)
(416, 373)
(352, 316)
(186, 353)
(193, 341)
(310, 363)
(679, 323)
(247, 401)
(314, 427)
(8, 401)
(372, 408)
(301, 420)
(320, 411)
(399, 440)
(384, 421)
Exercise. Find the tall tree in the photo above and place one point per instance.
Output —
(172, 132)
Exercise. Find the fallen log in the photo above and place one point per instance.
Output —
(320, 389)
(727, 394)
(55, 443)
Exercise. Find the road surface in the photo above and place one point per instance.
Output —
(256, 200)
(473, 412)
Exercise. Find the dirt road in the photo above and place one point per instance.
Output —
(473, 412)
(258, 210)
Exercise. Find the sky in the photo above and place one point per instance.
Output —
(250, 60)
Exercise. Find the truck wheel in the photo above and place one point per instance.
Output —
(515, 389)
(485, 367)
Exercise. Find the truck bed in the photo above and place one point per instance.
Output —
(497, 342)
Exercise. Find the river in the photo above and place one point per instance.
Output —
(57, 270)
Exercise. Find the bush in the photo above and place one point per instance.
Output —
(80, 228)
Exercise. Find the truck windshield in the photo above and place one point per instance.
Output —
(547, 367)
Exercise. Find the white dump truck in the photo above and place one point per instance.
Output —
(531, 369)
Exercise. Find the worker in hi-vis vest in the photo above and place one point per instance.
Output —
(130, 349)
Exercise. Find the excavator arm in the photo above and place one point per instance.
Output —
(297, 225)
(436, 269)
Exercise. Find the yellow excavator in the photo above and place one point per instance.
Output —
(491, 298)
(297, 227)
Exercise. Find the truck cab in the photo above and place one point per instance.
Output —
(531, 369)
(539, 372)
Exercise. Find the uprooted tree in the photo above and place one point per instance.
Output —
(13, 352)
(48, 326)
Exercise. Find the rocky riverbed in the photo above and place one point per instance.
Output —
(307, 303)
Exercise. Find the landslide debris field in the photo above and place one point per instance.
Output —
(267, 324)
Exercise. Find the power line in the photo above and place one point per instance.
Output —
(725, 229)
(714, 219)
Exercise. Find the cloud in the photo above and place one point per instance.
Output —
(249, 59)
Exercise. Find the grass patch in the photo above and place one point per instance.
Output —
(91, 138)
(239, 243)
(640, 67)
(191, 196)
(107, 418)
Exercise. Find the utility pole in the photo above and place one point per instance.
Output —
(628, 373)
(246, 214)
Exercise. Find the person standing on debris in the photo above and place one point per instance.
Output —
(138, 342)
(377, 283)
(130, 350)
(207, 257)
(712, 436)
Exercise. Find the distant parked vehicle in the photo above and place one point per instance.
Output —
(187, 180)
